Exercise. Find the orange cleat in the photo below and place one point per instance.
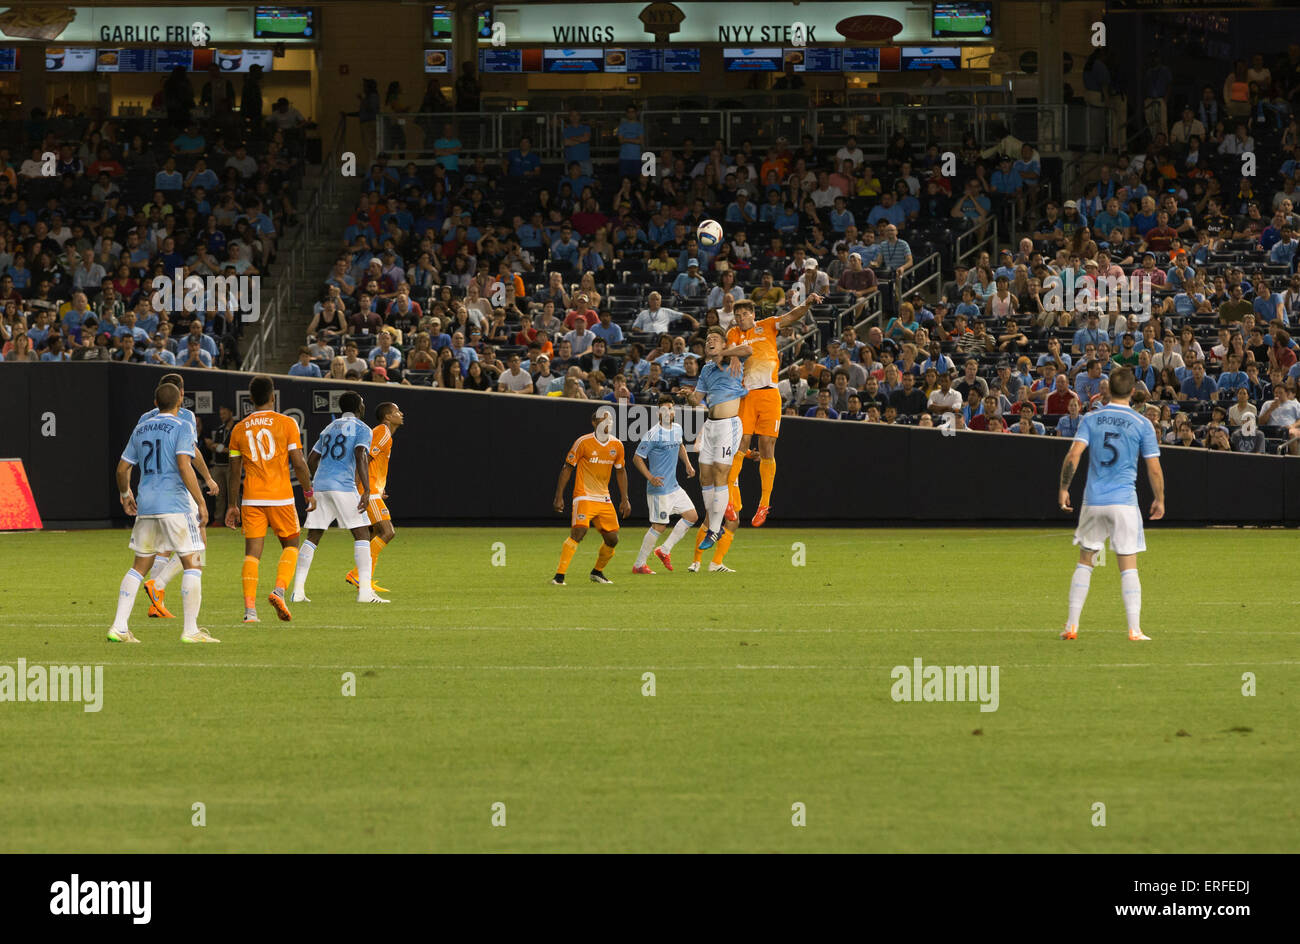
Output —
(760, 516)
(156, 607)
(751, 454)
(730, 513)
(664, 558)
(354, 579)
(1070, 632)
(281, 608)
(643, 569)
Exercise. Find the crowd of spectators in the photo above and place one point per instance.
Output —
(204, 190)
(516, 274)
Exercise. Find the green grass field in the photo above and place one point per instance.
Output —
(483, 684)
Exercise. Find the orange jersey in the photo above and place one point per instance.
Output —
(381, 450)
(263, 441)
(593, 462)
(763, 366)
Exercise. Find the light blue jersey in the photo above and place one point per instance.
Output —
(1116, 437)
(719, 385)
(659, 448)
(153, 447)
(184, 415)
(337, 446)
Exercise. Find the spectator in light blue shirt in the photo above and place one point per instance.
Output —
(841, 216)
(888, 210)
(741, 211)
(1090, 334)
(566, 249)
(523, 161)
(690, 284)
(787, 220)
(1087, 383)
(1283, 251)
(304, 367)
(169, 178)
(1005, 180)
(1198, 385)
(631, 143)
(577, 142)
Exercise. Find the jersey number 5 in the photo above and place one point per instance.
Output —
(1112, 454)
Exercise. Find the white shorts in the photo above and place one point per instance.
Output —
(166, 534)
(336, 506)
(719, 441)
(1121, 523)
(663, 507)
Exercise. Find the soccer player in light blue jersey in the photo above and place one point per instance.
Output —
(168, 514)
(338, 462)
(1116, 437)
(167, 568)
(656, 458)
(722, 387)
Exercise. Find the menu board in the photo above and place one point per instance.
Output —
(681, 60)
(437, 60)
(500, 60)
(9, 59)
(69, 59)
(814, 59)
(573, 60)
(191, 60)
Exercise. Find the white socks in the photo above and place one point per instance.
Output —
(169, 571)
(647, 545)
(678, 532)
(159, 565)
(1131, 588)
(191, 600)
(715, 505)
(305, 554)
(360, 554)
(1079, 585)
(126, 598)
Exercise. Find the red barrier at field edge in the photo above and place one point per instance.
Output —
(17, 506)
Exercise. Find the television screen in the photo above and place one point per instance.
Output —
(441, 26)
(963, 20)
(813, 59)
(573, 60)
(752, 60)
(925, 58)
(681, 60)
(284, 23)
(70, 59)
(9, 59)
(437, 60)
(500, 60)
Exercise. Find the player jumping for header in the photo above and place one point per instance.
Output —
(719, 440)
(1115, 436)
(760, 411)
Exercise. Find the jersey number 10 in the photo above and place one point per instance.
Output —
(261, 445)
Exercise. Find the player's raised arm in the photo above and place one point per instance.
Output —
(363, 476)
(234, 489)
(124, 486)
(566, 472)
(1069, 467)
(303, 473)
(795, 315)
(1156, 476)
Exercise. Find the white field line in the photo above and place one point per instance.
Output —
(268, 625)
(663, 668)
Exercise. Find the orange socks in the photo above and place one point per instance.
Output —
(284, 570)
(724, 543)
(699, 536)
(566, 555)
(248, 577)
(602, 558)
(766, 473)
(376, 545)
(733, 487)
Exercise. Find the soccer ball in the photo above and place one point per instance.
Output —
(709, 234)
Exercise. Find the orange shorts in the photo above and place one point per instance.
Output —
(760, 412)
(595, 514)
(378, 511)
(283, 520)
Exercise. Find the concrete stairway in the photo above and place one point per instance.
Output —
(321, 252)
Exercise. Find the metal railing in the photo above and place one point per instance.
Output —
(1050, 127)
(912, 280)
(976, 243)
(294, 258)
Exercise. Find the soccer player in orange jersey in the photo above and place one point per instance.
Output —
(590, 460)
(760, 411)
(381, 521)
(263, 446)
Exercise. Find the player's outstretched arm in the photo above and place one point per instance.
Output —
(1156, 476)
(566, 472)
(300, 469)
(795, 315)
(1068, 468)
(124, 487)
(234, 489)
(186, 469)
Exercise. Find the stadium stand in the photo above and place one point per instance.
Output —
(479, 258)
(130, 199)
